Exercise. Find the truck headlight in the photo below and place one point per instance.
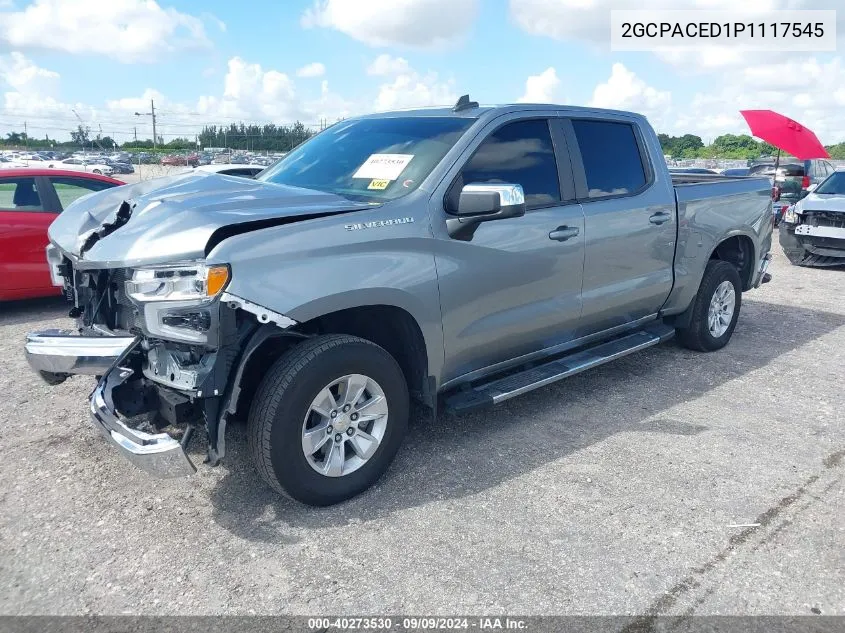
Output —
(791, 216)
(177, 283)
(179, 302)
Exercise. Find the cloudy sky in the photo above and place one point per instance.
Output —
(102, 60)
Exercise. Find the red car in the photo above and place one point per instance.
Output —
(30, 199)
(191, 160)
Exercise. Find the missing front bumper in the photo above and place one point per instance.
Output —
(158, 454)
(57, 354)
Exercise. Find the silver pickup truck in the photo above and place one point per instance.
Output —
(458, 256)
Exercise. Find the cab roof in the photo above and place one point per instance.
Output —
(483, 111)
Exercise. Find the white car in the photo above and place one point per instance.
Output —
(234, 169)
(8, 163)
(77, 164)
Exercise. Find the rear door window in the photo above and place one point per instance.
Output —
(613, 163)
(69, 190)
(19, 194)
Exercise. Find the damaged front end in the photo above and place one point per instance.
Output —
(813, 238)
(168, 345)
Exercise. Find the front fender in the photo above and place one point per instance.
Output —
(317, 267)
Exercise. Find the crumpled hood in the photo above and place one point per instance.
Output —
(816, 202)
(172, 219)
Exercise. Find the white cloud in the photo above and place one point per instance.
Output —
(387, 65)
(541, 88)
(31, 96)
(248, 92)
(625, 91)
(805, 89)
(414, 23)
(128, 30)
(25, 77)
(130, 105)
(408, 88)
(314, 69)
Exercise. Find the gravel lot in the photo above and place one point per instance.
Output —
(623, 490)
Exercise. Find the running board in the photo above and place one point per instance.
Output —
(487, 394)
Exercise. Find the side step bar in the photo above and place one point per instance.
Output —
(487, 394)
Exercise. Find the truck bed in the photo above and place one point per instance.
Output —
(685, 179)
(753, 190)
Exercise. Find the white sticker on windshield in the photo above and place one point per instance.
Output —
(383, 166)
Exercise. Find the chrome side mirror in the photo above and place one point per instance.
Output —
(484, 202)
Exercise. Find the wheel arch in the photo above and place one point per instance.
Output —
(391, 327)
(738, 249)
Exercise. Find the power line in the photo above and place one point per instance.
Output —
(214, 120)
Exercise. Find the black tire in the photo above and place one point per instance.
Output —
(281, 404)
(97, 171)
(697, 334)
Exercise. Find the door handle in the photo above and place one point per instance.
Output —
(563, 233)
(660, 218)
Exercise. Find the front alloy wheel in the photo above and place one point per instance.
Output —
(344, 425)
(328, 418)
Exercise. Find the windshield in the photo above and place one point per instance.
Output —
(373, 160)
(835, 184)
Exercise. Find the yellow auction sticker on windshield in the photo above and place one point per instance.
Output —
(378, 184)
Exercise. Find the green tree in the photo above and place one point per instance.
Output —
(689, 145)
(268, 137)
(837, 152)
(80, 135)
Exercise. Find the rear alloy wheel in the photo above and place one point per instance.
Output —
(715, 309)
(97, 171)
(328, 418)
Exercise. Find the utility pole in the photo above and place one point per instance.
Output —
(151, 113)
(25, 136)
(136, 133)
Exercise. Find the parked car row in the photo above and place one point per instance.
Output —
(118, 163)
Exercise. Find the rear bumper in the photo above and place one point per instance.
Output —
(56, 354)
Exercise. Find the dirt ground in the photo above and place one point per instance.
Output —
(669, 482)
